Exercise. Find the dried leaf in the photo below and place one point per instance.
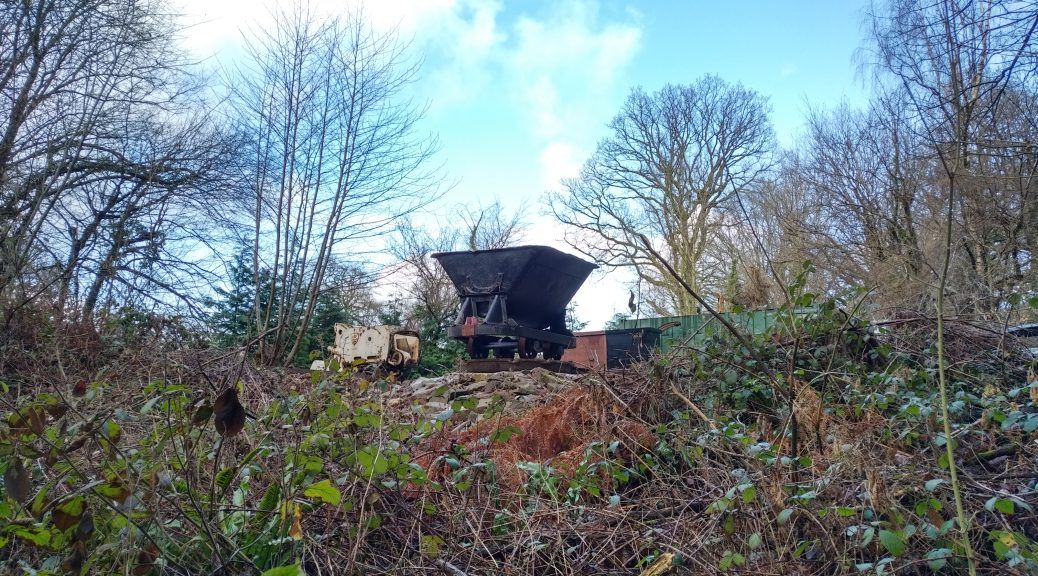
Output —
(228, 413)
(56, 408)
(296, 532)
(16, 480)
(80, 388)
(85, 527)
(73, 563)
(146, 559)
(28, 419)
(76, 444)
(69, 513)
(203, 412)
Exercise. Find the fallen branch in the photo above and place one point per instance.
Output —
(692, 405)
(728, 325)
(449, 568)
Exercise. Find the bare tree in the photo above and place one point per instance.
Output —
(857, 202)
(967, 72)
(669, 171)
(106, 160)
(432, 298)
(955, 61)
(489, 227)
(337, 159)
(429, 299)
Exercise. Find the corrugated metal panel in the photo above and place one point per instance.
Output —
(695, 329)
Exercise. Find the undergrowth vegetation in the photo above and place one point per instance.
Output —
(818, 448)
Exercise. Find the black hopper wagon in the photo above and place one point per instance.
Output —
(513, 300)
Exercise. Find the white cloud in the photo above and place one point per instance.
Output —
(558, 160)
(568, 52)
(602, 295)
(464, 28)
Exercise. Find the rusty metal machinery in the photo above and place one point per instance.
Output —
(513, 300)
(384, 346)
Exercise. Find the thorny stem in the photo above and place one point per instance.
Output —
(943, 386)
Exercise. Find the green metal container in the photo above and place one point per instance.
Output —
(695, 329)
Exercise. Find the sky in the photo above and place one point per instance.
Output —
(520, 92)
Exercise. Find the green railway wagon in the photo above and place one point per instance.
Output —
(693, 330)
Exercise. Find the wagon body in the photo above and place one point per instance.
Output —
(513, 300)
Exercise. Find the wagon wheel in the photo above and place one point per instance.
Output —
(476, 349)
(555, 352)
(526, 350)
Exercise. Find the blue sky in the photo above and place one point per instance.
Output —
(519, 92)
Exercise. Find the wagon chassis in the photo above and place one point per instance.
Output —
(481, 339)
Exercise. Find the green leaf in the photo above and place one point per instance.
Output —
(938, 558)
(224, 477)
(867, 536)
(1003, 542)
(749, 494)
(37, 535)
(783, 516)
(112, 431)
(270, 498)
(932, 485)
(893, 541)
(1005, 506)
(150, 404)
(293, 570)
(754, 541)
(430, 545)
(371, 459)
(324, 491)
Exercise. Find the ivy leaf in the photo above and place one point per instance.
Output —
(324, 491)
(229, 414)
(893, 541)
